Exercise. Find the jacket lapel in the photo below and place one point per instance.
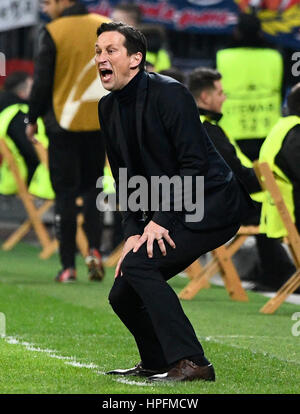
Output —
(120, 134)
(140, 103)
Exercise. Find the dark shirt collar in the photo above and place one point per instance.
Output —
(128, 93)
(214, 116)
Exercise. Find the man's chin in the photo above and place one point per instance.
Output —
(107, 86)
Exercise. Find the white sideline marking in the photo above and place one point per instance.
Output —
(68, 360)
(72, 361)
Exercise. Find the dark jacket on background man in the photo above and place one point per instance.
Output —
(172, 142)
(227, 151)
(16, 131)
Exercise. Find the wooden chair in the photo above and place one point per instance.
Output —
(81, 239)
(34, 214)
(221, 262)
(49, 245)
(268, 183)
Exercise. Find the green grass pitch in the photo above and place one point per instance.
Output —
(61, 338)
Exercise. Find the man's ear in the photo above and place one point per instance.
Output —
(135, 60)
(205, 96)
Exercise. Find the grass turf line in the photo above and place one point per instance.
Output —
(251, 352)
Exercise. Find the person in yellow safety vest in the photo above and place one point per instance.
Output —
(13, 108)
(117, 235)
(157, 56)
(253, 81)
(158, 61)
(281, 150)
(205, 85)
(108, 180)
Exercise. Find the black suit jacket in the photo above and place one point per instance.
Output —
(172, 141)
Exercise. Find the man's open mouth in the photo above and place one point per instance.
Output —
(106, 74)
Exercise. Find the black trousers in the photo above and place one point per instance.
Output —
(76, 161)
(149, 307)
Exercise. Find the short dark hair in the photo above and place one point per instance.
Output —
(135, 41)
(201, 79)
(293, 100)
(132, 9)
(15, 81)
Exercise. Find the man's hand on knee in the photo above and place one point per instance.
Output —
(152, 232)
(129, 245)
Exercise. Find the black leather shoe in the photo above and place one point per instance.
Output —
(138, 370)
(186, 370)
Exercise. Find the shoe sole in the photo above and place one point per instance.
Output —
(123, 373)
(166, 379)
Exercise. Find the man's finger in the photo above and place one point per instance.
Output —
(117, 271)
(170, 241)
(139, 243)
(162, 246)
(150, 246)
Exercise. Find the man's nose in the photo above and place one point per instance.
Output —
(100, 58)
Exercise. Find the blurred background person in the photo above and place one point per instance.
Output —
(252, 74)
(157, 58)
(275, 266)
(66, 92)
(15, 94)
(127, 13)
(281, 150)
(157, 54)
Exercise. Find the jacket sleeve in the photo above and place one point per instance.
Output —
(228, 152)
(41, 93)
(16, 131)
(130, 220)
(180, 117)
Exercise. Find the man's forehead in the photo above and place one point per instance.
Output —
(110, 38)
